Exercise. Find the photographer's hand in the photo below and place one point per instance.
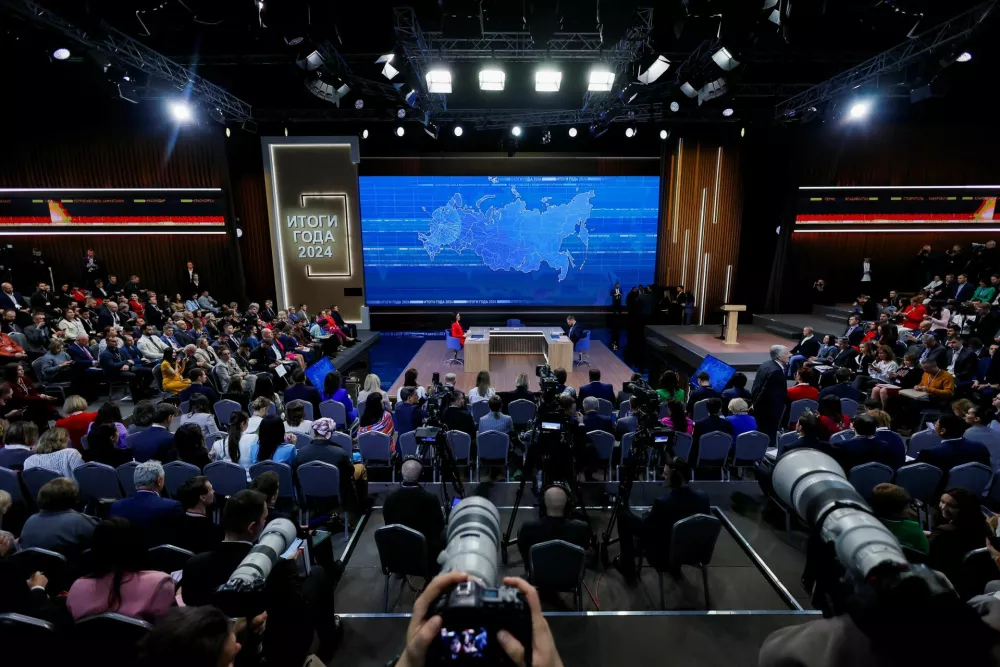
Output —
(422, 631)
(543, 646)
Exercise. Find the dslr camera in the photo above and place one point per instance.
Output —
(436, 403)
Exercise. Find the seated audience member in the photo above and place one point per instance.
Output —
(235, 447)
(859, 449)
(57, 526)
(961, 362)
(630, 422)
(410, 380)
(804, 388)
(962, 529)
(109, 413)
(146, 506)
(200, 414)
(653, 530)
(592, 420)
(76, 420)
(980, 418)
(831, 417)
(804, 350)
(810, 433)
(192, 636)
(374, 384)
(560, 375)
(961, 408)
(238, 393)
(296, 608)
(156, 442)
(669, 387)
(190, 445)
(408, 415)
(854, 332)
(880, 371)
(458, 417)
(376, 417)
(295, 418)
(102, 447)
(117, 581)
(846, 354)
(272, 442)
(842, 386)
(891, 505)
(713, 422)
(520, 392)
(702, 392)
(677, 418)
(300, 391)
(54, 453)
(596, 388)
(268, 484)
(937, 383)
(912, 314)
(19, 445)
(197, 377)
(906, 376)
(954, 449)
(739, 419)
(118, 367)
(414, 507)
(984, 293)
(172, 373)
(55, 365)
(890, 448)
(737, 389)
(827, 351)
(194, 530)
(554, 523)
(323, 449)
(333, 390)
(483, 389)
(495, 420)
(229, 370)
(24, 394)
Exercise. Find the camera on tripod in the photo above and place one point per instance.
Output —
(549, 384)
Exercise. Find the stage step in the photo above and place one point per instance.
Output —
(838, 313)
(790, 326)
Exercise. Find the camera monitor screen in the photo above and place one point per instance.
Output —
(465, 644)
(661, 438)
(719, 372)
(551, 426)
(317, 372)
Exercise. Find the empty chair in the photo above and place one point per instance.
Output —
(973, 477)
(286, 484)
(581, 348)
(479, 410)
(401, 551)
(334, 410)
(605, 408)
(319, 480)
(176, 473)
(557, 566)
(978, 569)
(112, 636)
(224, 410)
(34, 636)
(97, 482)
(167, 558)
(604, 446)
(798, 407)
(35, 478)
(867, 476)
(492, 446)
(843, 436)
(922, 440)
(513, 323)
(461, 447)
(623, 408)
(521, 411)
(407, 444)
(713, 449)
(849, 407)
(10, 481)
(692, 542)
(53, 565)
(921, 481)
(454, 345)
(682, 445)
(343, 440)
(750, 448)
(700, 410)
(126, 477)
(375, 449)
(626, 452)
(227, 478)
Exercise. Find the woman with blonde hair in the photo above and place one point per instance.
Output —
(372, 384)
(54, 453)
(76, 420)
(741, 421)
(483, 390)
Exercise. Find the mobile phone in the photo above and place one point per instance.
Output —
(435, 378)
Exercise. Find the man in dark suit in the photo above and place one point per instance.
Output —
(961, 362)
(805, 349)
(118, 368)
(596, 388)
(713, 422)
(594, 421)
(108, 316)
(146, 506)
(265, 357)
(37, 336)
(962, 290)
(11, 300)
(300, 391)
(869, 311)
(654, 530)
(267, 313)
(845, 353)
(575, 330)
(414, 507)
(408, 415)
(552, 524)
(153, 313)
(842, 388)
(157, 442)
(702, 392)
(91, 268)
(770, 390)
(338, 319)
(457, 417)
(616, 299)
(43, 300)
(296, 607)
(113, 287)
(854, 332)
(860, 449)
(193, 530)
(954, 449)
(198, 386)
(188, 279)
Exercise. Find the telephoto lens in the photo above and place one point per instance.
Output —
(242, 594)
(814, 485)
(473, 540)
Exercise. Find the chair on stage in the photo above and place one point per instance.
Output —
(454, 344)
(581, 348)
(514, 323)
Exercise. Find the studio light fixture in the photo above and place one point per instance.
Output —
(743, 132)
(963, 57)
(180, 111)
(401, 113)
(688, 90)
(61, 54)
(727, 112)
(516, 130)
(675, 107)
(432, 130)
(359, 104)
(859, 109)
(492, 79)
(458, 130)
(652, 69)
(725, 60)
(546, 137)
(547, 80)
(286, 131)
(664, 134)
(364, 134)
(388, 71)
(228, 133)
(400, 131)
(438, 81)
(602, 80)
(629, 132)
(572, 132)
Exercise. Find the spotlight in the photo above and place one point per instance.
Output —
(286, 131)
(675, 107)
(228, 133)
(491, 79)
(388, 71)
(727, 112)
(688, 90)
(963, 57)
(401, 113)
(400, 131)
(61, 54)
(651, 70)
(364, 134)
(629, 132)
(458, 130)
(546, 137)
(359, 104)
(725, 60)
(601, 80)
(516, 130)
(743, 132)
(859, 110)
(180, 110)
(547, 81)
(438, 81)
(664, 134)
(572, 132)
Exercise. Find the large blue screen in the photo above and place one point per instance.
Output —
(506, 240)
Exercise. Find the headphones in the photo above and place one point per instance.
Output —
(570, 499)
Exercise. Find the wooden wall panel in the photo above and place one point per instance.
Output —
(700, 229)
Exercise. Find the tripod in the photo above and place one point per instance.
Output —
(629, 468)
(445, 462)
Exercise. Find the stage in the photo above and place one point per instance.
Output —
(433, 356)
(690, 345)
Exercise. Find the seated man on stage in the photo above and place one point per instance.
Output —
(575, 330)
(553, 524)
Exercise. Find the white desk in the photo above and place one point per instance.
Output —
(483, 342)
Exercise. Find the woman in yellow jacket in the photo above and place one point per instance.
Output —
(173, 378)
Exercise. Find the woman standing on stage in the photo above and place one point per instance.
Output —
(456, 329)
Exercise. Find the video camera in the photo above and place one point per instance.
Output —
(437, 402)
(549, 384)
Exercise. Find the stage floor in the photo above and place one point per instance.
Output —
(433, 356)
(691, 345)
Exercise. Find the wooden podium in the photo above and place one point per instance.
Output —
(732, 320)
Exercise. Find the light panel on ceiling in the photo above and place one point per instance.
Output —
(547, 80)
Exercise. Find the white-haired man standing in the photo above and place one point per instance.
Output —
(770, 390)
